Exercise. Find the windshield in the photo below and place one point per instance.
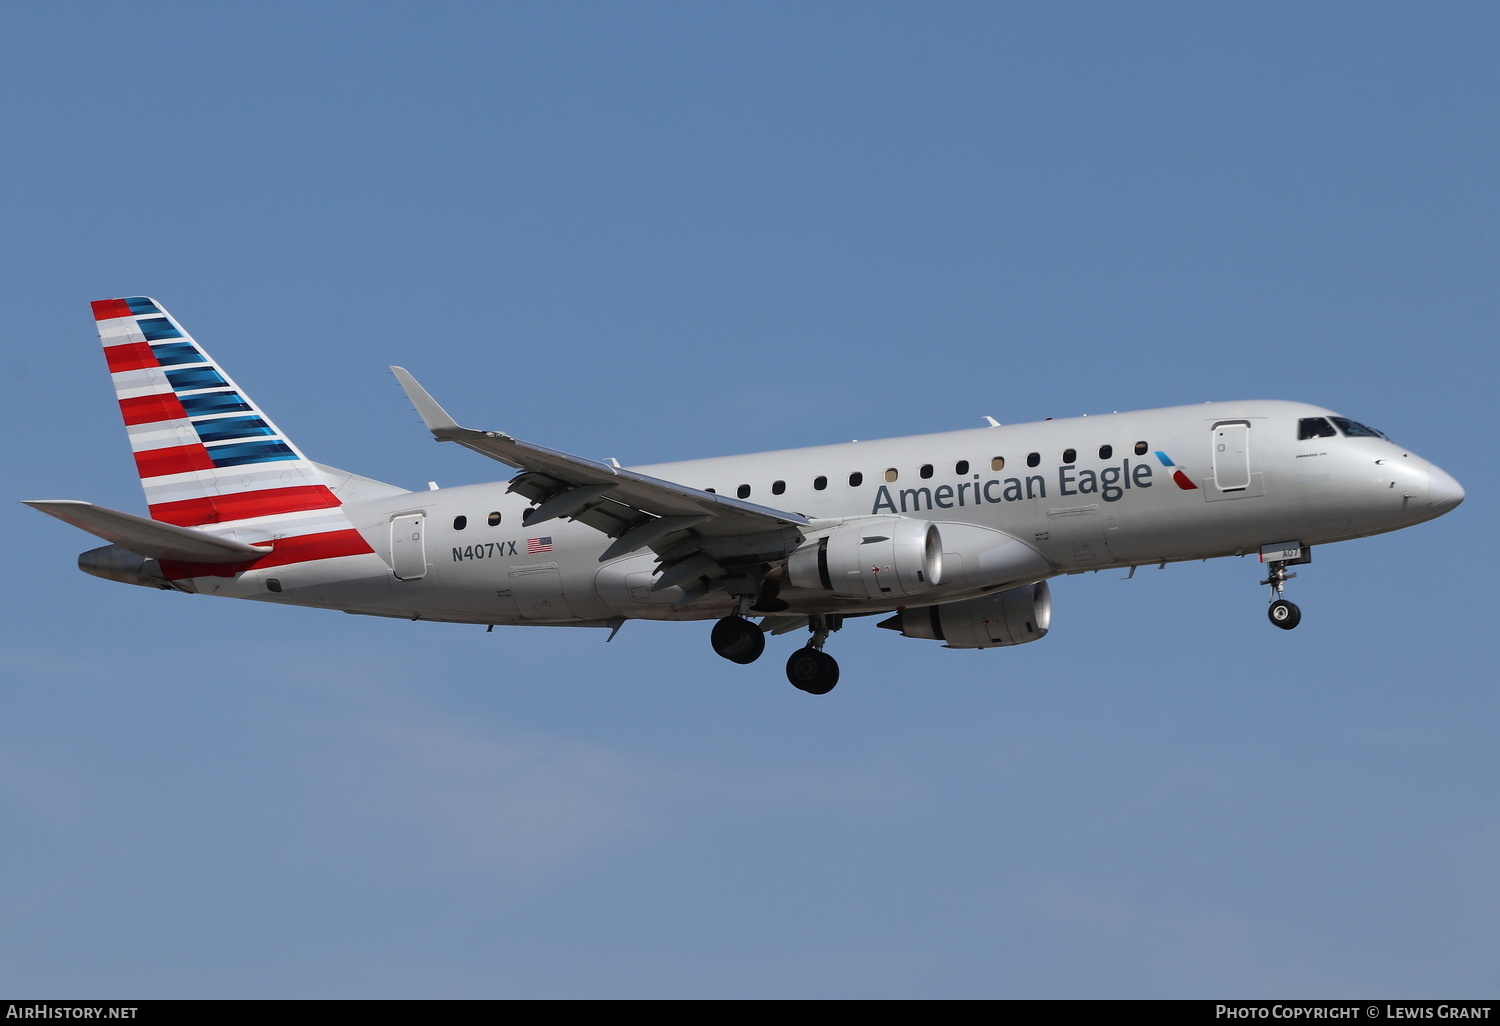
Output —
(1354, 429)
(1315, 427)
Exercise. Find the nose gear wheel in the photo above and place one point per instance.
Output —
(1284, 614)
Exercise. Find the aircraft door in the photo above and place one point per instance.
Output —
(1231, 455)
(409, 547)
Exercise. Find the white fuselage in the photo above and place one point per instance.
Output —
(1083, 493)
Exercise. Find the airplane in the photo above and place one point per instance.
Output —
(951, 536)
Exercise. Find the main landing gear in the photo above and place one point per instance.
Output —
(812, 670)
(738, 640)
(809, 669)
(1282, 613)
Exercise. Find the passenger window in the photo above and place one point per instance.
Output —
(777, 487)
(743, 491)
(495, 519)
(1034, 459)
(997, 462)
(459, 523)
(1314, 427)
(1070, 455)
(856, 479)
(891, 475)
(819, 483)
(926, 471)
(961, 467)
(1106, 451)
(1140, 448)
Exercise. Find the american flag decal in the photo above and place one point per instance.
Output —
(535, 545)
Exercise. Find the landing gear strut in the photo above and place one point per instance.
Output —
(811, 669)
(738, 640)
(1282, 613)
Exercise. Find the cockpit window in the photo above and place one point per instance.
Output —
(1315, 427)
(1354, 429)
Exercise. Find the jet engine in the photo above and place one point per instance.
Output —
(871, 558)
(1011, 617)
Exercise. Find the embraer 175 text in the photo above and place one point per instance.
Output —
(955, 534)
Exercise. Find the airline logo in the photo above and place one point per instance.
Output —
(1178, 476)
(205, 454)
(1109, 483)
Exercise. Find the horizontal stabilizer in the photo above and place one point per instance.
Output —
(150, 538)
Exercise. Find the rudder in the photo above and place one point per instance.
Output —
(206, 454)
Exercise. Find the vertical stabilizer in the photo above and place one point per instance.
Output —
(207, 456)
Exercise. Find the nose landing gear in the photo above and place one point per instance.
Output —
(811, 669)
(1282, 613)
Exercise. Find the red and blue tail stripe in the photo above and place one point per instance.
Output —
(205, 453)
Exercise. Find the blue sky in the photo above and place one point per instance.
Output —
(661, 231)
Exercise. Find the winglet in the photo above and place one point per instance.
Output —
(434, 416)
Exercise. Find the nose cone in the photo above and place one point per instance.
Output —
(1443, 491)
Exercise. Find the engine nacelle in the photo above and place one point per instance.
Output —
(871, 558)
(1011, 617)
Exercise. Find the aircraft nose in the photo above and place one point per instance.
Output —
(1443, 492)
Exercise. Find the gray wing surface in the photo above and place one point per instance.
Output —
(637, 510)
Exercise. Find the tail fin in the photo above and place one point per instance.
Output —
(206, 454)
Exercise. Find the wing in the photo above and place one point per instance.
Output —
(696, 534)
